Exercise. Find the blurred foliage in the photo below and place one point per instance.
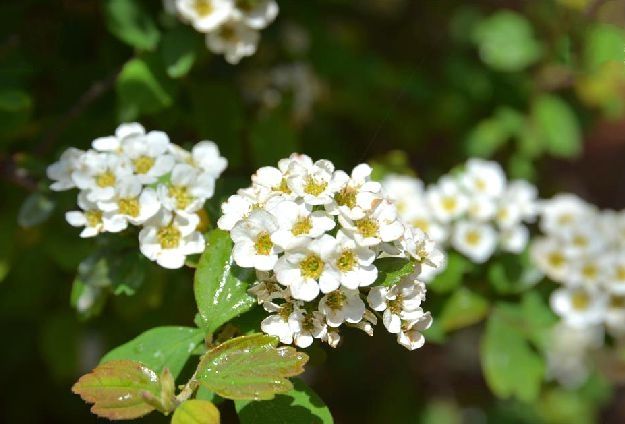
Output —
(538, 86)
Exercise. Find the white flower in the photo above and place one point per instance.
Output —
(476, 241)
(92, 219)
(256, 14)
(406, 192)
(267, 288)
(187, 190)
(205, 156)
(205, 15)
(307, 326)
(446, 200)
(274, 179)
(354, 192)
(238, 206)
(168, 239)
(514, 239)
(61, 171)
(234, 39)
(615, 274)
(563, 212)
(253, 247)
(419, 246)
(481, 208)
(278, 324)
(342, 305)
(131, 202)
(399, 303)
(100, 173)
(579, 306)
(523, 195)
(483, 178)
(305, 269)
(149, 156)
(298, 223)
(411, 336)
(312, 181)
(116, 143)
(588, 271)
(381, 224)
(351, 265)
(550, 257)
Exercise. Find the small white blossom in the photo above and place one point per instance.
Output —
(256, 14)
(475, 240)
(307, 326)
(187, 189)
(253, 247)
(342, 305)
(234, 39)
(314, 182)
(298, 223)
(205, 15)
(381, 225)
(446, 200)
(398, 303)
(149, 156)
(411, 335)
(483, 178)
(100, 173)
(356, 194)
(131, 202)
(579, 306)
(61, 171)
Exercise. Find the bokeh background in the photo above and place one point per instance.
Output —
(411, 86)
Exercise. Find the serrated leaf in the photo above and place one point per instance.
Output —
(298, 406)
(195, 411)
(159, 348)
(178, 51)
(250, 367)
(220, 286)
(557, 124)
(391, 270)
(117, 389)
(462, 309)
(511, 367)
(131, 24)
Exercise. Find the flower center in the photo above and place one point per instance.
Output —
(181, 195)
(473, 237)
(590, 271)
(336, 299)
(580, 301)
(556, 259)
(204, 223)
(502, 214)
(246, 5)
(565, 218)
(128, 207)
(311, 266)
(302, 226)
(617, 302)
(395, 305)
(263, 244)
(94, 218)
(285, 311)
(105, 179)
(580, 241)
(168, 237)
(203, 7)
(143, 164)
(449, 203)
(480, 184)
(228, 33)
(283, 187)
(313, 187)
(367, 227)
(620, 273)
(346, 261)
(346, 197)
(421, 224)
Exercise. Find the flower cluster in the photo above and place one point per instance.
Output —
(231, 26)
(316, 237)
(142, 179)
(475, 210)
(582, 249)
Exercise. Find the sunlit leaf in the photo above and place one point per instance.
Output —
(558, 126)
(250, 367)
(195, 411)
(298, 406)
(391, 270)
(131, 23)
(117, 389)
(220, 286)
(463, 308)
(159, 348)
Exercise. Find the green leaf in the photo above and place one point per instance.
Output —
(557, 124)
(603, 43)
(539, 319)
(462, 309)
(298, 406)
(220, 286)
(117, 389)
(35, 210)
(179, 50)
(391, 270)
(506, 42)
(486, 138)
(511, 367)
(130, 23)
(250, 367)
(143, 87)
(457, 266)
(195, 411)
(159, 348)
